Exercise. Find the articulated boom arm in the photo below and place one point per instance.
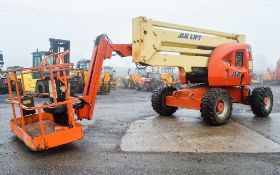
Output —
(103, 49)
(164, 44)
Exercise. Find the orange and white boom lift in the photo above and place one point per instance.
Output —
(219, 64)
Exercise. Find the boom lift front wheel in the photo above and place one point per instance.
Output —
(216, 106)
(158, 100)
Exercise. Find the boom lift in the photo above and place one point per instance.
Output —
(150, 80)
(161, 77)
(130, 81)
(271, 77)
(220, 63)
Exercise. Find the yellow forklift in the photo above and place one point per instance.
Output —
(33, 81)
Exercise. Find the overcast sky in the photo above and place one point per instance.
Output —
(26, 25)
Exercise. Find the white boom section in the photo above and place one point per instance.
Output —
(163, 44)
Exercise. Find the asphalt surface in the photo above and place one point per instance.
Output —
(99, 152)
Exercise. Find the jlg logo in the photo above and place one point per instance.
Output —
(235, 74)
(190, 36)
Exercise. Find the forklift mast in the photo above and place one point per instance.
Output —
(56, 46)
(1, 61)
(59, 45)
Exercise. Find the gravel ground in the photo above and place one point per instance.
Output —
(99, 152)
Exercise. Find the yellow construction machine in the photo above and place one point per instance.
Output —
(110, 72)
(107, 80)
(34, 83)
(130, 81)
(168, 76)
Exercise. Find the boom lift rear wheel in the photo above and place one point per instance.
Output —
(158, 100)
(216, 106)
(261, 101)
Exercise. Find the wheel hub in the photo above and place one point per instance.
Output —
(220, 106)
(266, 102)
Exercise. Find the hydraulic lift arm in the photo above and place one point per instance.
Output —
(103, 49)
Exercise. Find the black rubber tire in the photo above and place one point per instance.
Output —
(257, 101)
(20, 88)
(131, 84)
(42, 87)
(147, 87)
(137, 87)
(158, 100)
(103, 89)
(73, 89)
(125, 83)
(154, 86)
(209, 103)
(77, 85)
(108, 90)
(80, 86)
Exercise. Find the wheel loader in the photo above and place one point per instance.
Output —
(220, 64)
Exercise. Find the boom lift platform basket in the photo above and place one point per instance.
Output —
(38, 129)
